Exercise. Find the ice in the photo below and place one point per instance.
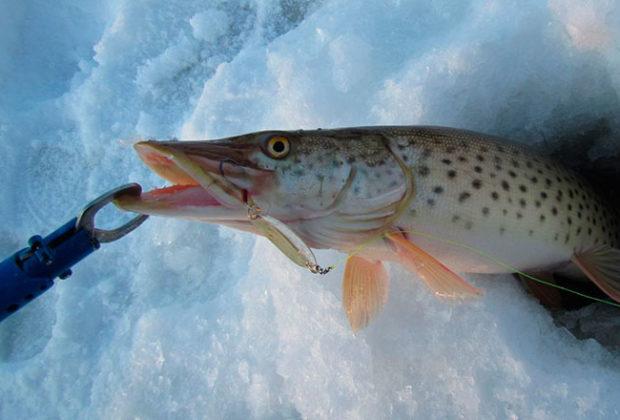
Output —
(182, 320)
(209, 25)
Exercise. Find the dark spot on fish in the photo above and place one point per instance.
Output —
(590, 231)
(351, 159)
(522, 203)
(569, 220)
(570, 207)
(566, 239)
(571, 194)
(464, 196)
(495, 195)
(548, 182)
(478, 169)
(462, 159)
(485, 211)
(523, 188)
(556, 237)
(451, 174)
(514, 163)
(529, 164)
(505, 185)
(498, 168)
(544, 195)
(476, 183)
(534, 180)
(447, 161)
(504, 212)
(455, 218)
(492, 175)
(537, 203)
(579, 214)
(430, 202)
(438, 189)
(423, 171)
(405, 158)
(554, 211)
(579, 230)
(512, 174)
(480, 158)
(543, 218)
(519, 215)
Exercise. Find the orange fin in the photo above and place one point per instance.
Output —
(602, 265)
(442, 280)
(364, 290)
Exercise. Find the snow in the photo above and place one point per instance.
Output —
(184, 320)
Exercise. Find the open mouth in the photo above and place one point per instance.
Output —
(204, 185)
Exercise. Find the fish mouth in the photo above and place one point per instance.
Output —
(211, 181)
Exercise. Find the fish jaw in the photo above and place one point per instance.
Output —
(209, 182)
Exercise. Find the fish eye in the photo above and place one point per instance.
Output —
(278, 147)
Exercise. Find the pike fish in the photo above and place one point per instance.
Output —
(438, 201)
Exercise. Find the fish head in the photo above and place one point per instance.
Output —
(290, 175)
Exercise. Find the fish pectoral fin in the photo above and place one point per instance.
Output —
(441, 280)
(364, 290)
(601, 264)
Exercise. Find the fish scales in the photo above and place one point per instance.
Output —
(521, 208)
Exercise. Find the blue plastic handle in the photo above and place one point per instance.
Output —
(31, 271)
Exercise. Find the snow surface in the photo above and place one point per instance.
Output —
(182, 320)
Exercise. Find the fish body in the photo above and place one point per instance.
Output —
(437, 200)
(499, 198)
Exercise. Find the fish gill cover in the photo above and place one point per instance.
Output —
(184, 320)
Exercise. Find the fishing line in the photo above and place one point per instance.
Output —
(491, 258)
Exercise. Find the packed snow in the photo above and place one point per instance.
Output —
(183, 320)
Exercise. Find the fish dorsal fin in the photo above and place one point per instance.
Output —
(443, 281)
(364, 290)
(601, 264)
